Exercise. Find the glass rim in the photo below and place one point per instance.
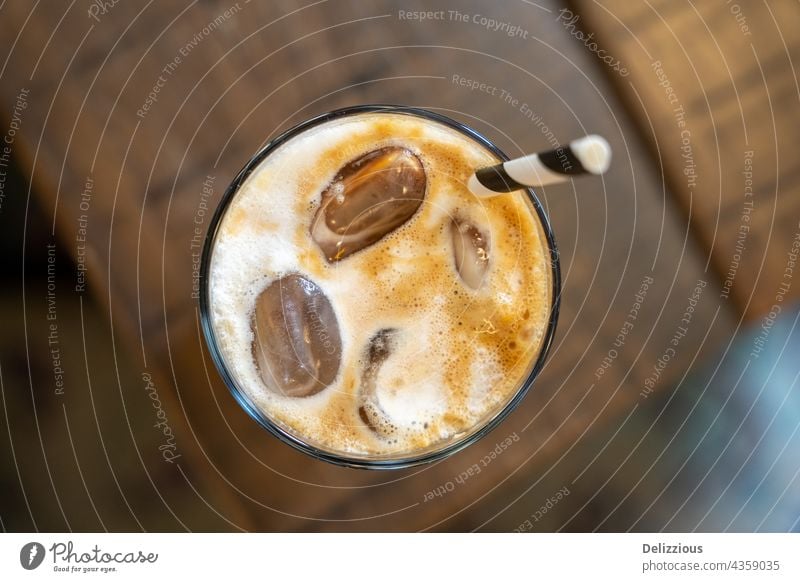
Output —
(260, 416)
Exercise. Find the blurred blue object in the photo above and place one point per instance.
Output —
(735, 458)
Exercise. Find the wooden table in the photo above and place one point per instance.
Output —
(129, 111)
(713, 88)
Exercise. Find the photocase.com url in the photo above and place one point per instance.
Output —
(657, 566)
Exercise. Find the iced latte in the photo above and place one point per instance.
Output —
(363, 302)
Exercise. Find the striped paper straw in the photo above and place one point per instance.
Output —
(586, 155)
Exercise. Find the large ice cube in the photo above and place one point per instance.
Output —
(370, 197)
(296, 341)
(470, 251)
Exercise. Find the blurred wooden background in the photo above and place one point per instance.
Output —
(694, 96)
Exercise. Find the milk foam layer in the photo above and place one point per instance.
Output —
(457, 354)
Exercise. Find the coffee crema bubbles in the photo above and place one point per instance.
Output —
(364, 300)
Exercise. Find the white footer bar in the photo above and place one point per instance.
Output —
(407, 557)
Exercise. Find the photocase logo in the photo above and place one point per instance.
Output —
(31, 555)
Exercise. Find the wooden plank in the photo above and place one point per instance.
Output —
(225, 98)
(731, 68)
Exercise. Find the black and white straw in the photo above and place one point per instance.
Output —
(586, 155)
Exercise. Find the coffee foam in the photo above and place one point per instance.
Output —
(458, 354)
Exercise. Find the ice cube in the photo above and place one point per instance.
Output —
(376, 353)
(296, 341)
(471, 252)
(370, 197)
